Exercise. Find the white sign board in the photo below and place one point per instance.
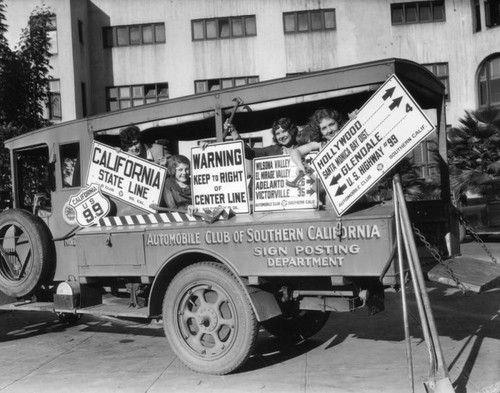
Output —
(218, 177)
(276, 185)
(385, 130)
(131, 179)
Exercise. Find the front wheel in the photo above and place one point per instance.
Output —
(25, 253)
(208, 319)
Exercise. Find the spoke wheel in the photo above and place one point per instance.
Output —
(24, 252)
(208, 319)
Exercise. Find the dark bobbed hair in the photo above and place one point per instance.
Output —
(174, 161)
(128, 135)
(320, 114)
(286, 124)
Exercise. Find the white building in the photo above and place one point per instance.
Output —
(111, 54)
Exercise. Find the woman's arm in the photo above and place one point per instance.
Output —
(297, 153)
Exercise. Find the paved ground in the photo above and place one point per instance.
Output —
(353, 353)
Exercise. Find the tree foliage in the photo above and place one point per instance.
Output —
(24, 81)
(474, 153)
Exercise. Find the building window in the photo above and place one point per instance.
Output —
(55, 99)
(424, 159)
(204, 85)
(52, 34)
(417, 12)
(220, 28)
(131, 35)
(489, 83)
(307, 21)
(492, 13)
(83, 88)
(121, 97)
(476, 16)
(441, 71)
(80, 31)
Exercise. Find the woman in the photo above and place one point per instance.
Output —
(325, 124)
(284, 137)
(177, 189)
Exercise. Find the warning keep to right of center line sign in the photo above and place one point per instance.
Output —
(385, 130)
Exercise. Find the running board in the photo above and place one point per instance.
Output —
(476, 275)
(113, 308)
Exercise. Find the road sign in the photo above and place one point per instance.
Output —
(218, 177)
(131, 179)
(89, 205)
(385, 130)
(277, 187)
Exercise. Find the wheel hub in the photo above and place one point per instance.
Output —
(207, 320)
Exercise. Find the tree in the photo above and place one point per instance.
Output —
(474, 153)
(24, 82)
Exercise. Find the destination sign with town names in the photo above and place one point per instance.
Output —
(276, 185)
(388, 126)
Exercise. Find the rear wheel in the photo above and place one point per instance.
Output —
(208, 319)
(25, 253)
(297, 326)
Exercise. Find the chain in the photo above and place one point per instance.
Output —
(471, 230)
(439, 259)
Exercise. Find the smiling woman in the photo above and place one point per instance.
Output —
(284, 133)
(177, 190)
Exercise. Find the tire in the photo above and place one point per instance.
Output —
(25, 257)
(208, 319)
(298, 326)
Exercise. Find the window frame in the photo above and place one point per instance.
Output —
(445, 78)
(486, 66)
(133, 98)
(242, 19)
(52, 98)
(403, 7)
(77, 172)
(309, 17)
(110, 35)
(491, 6)
(208, 83)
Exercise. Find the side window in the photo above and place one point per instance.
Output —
(35, 178)
(70, 164)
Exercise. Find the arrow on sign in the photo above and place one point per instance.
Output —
(340, 190)
(335, 180)
(310, 191)
(388, 93)
(310, 181)
(395, 103)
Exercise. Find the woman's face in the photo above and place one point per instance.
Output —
(182, 173)
(328, 127)
(135, 148)
(283, 137)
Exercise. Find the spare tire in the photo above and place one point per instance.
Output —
(25, 252)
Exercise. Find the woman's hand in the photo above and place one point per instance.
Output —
(191, 210)
(229, 129)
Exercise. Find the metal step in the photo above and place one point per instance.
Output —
(476, 275)
(111, 306)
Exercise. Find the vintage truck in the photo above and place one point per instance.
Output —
(212, 283)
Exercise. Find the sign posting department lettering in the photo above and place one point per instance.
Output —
(131, 179)
(218, 177)
(385, 130)
(276, 186)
